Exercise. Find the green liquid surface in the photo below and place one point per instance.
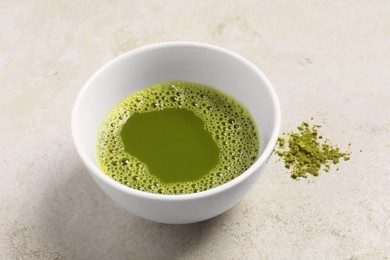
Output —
(177, 138)
(172, 143)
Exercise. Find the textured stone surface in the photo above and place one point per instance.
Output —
(327, 59)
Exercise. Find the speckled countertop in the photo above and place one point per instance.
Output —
(327, 59)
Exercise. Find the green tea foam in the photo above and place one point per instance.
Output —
(227, 121)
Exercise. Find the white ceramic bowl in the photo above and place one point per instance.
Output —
(189, 61)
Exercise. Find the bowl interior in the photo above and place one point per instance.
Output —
(150, 65)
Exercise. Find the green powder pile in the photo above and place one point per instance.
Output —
(306, 152)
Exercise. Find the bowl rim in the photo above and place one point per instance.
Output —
(267, 152)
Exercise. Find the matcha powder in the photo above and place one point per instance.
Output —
(306, 152)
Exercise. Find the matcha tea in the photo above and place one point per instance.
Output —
(177, 138)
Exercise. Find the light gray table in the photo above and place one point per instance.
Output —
(326, 59)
